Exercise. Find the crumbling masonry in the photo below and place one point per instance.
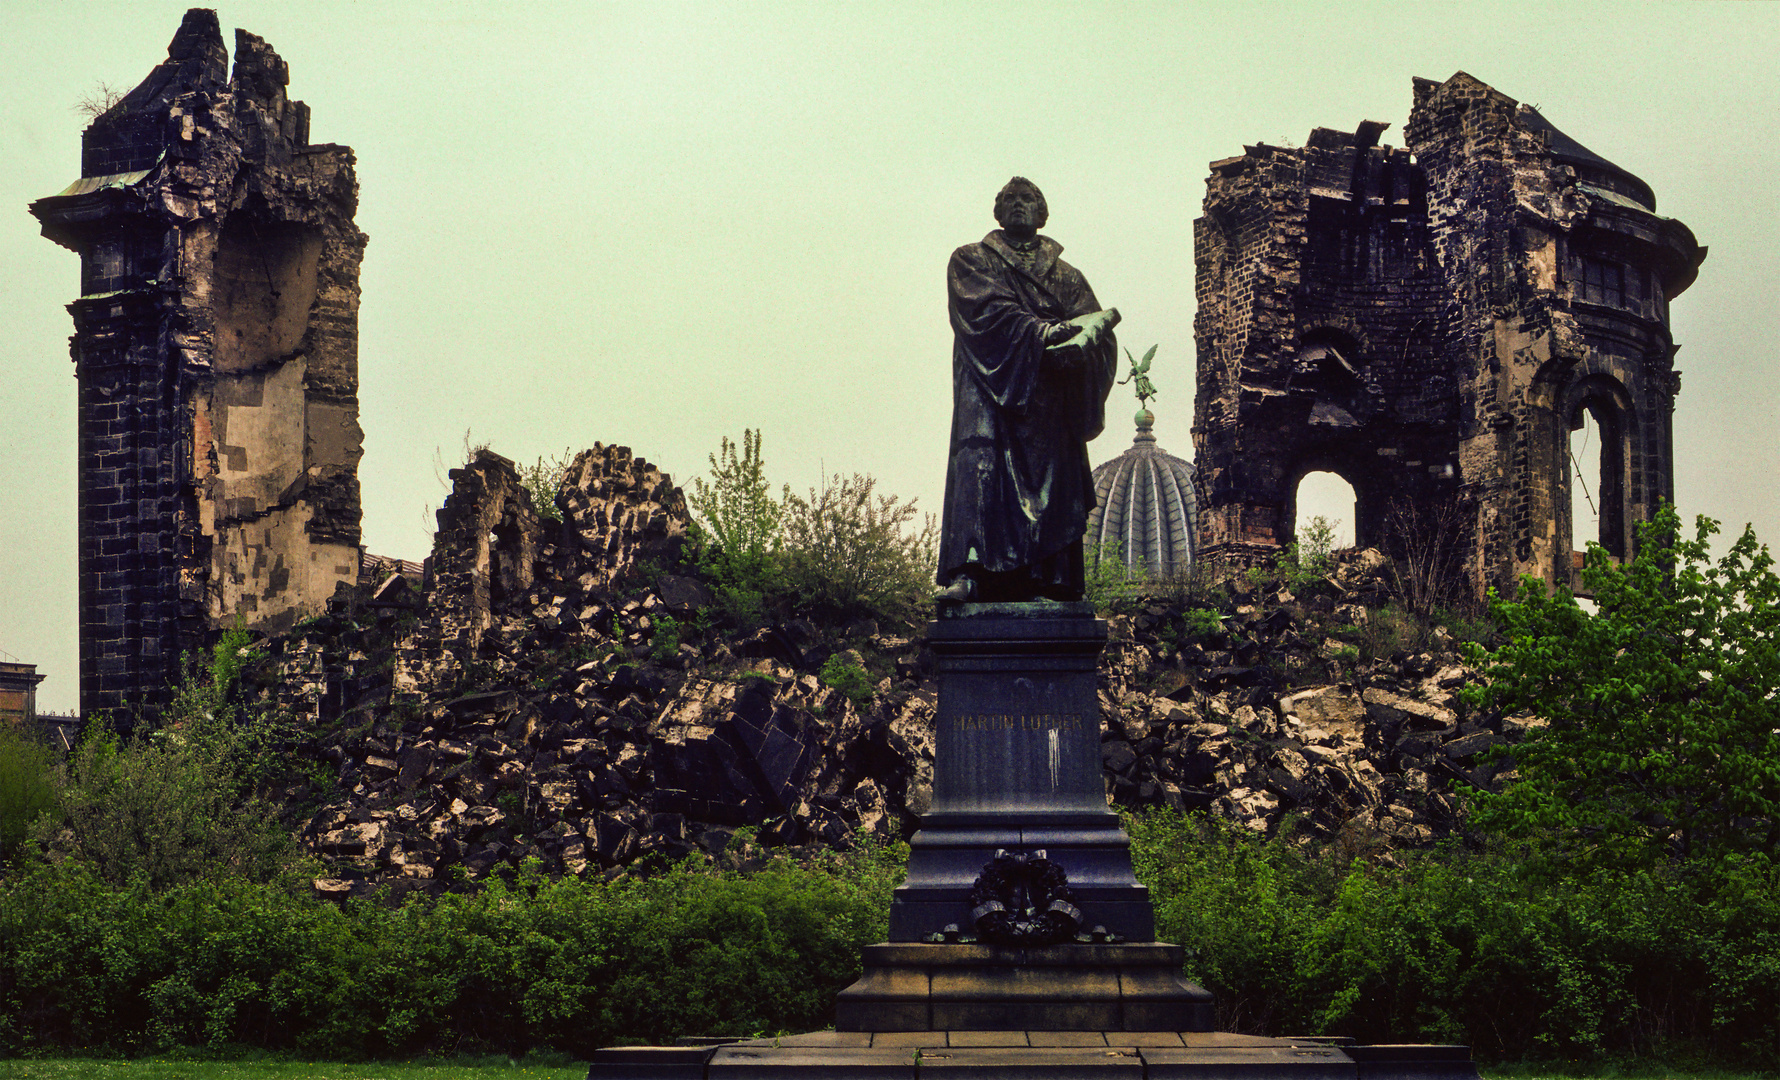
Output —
(1430, 323)
(216, 346)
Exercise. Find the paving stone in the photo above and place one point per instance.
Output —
(1018, 1063)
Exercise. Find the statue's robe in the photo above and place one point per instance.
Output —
(1018, 486)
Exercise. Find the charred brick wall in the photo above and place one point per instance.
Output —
(1430, 323)
(216, 349)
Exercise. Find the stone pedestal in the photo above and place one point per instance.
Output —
(1017, 766)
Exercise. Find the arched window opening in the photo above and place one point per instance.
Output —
(1585, 481)
(1595, 460)
(1325, 495)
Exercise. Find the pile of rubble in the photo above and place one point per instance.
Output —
(556, 690)
(1273, 714)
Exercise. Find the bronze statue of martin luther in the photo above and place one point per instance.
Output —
(1033, 358)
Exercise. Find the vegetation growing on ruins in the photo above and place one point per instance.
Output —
(542, 478)
(844, 552)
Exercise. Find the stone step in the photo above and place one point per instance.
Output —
(1032, 1055)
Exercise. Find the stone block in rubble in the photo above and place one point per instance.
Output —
(1251, 808)
(683, 595)
(417, 764)
(782, 749)
(754, 761)
(1390, 710)
(771, 643)
(1468, 745)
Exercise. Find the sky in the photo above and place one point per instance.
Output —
(657, 224)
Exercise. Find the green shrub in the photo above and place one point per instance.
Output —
(850, 679)
(544, 479)
(576, 964)
(1467, 946)
(1662, 708)
(665, 635)
(27, 787)
(1198, 625)
(1304, 561)
(736, 522)
(177, 802)
(847, 554)
(1108, 582)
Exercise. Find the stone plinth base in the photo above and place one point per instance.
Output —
(1032, 1055)
(1017, 766)
(924, 988)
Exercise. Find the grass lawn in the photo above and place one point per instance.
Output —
(1621, 1071)
(174, 1067)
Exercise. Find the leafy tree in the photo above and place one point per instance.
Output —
(1661, 734)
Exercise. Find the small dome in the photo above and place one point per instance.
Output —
(1145, 504)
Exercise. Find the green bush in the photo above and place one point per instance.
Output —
(224, 961)
(177, 802)
(1661, 738)
(736, 522)
(1467, 946)
(543, 479)
(665, 635)
(1305, 561)
(27, 787)
(1108, 582)
(841, 553)
(1455, 945)
(850, 679)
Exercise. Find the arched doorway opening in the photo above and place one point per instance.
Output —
(1324, 494)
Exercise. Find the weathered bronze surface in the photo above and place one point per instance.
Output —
(1032, 361)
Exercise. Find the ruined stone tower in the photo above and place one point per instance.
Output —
(1431, 323)
(216, 347)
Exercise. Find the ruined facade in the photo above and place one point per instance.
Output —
(215, 344)
(1431, 323)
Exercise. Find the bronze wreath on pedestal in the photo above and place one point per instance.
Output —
(1023, 899)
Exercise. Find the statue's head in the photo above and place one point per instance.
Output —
(1021, 198)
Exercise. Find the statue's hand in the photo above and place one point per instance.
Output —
(1095, 326)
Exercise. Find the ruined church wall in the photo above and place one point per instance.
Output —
(216, 349)
(1431, 323)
